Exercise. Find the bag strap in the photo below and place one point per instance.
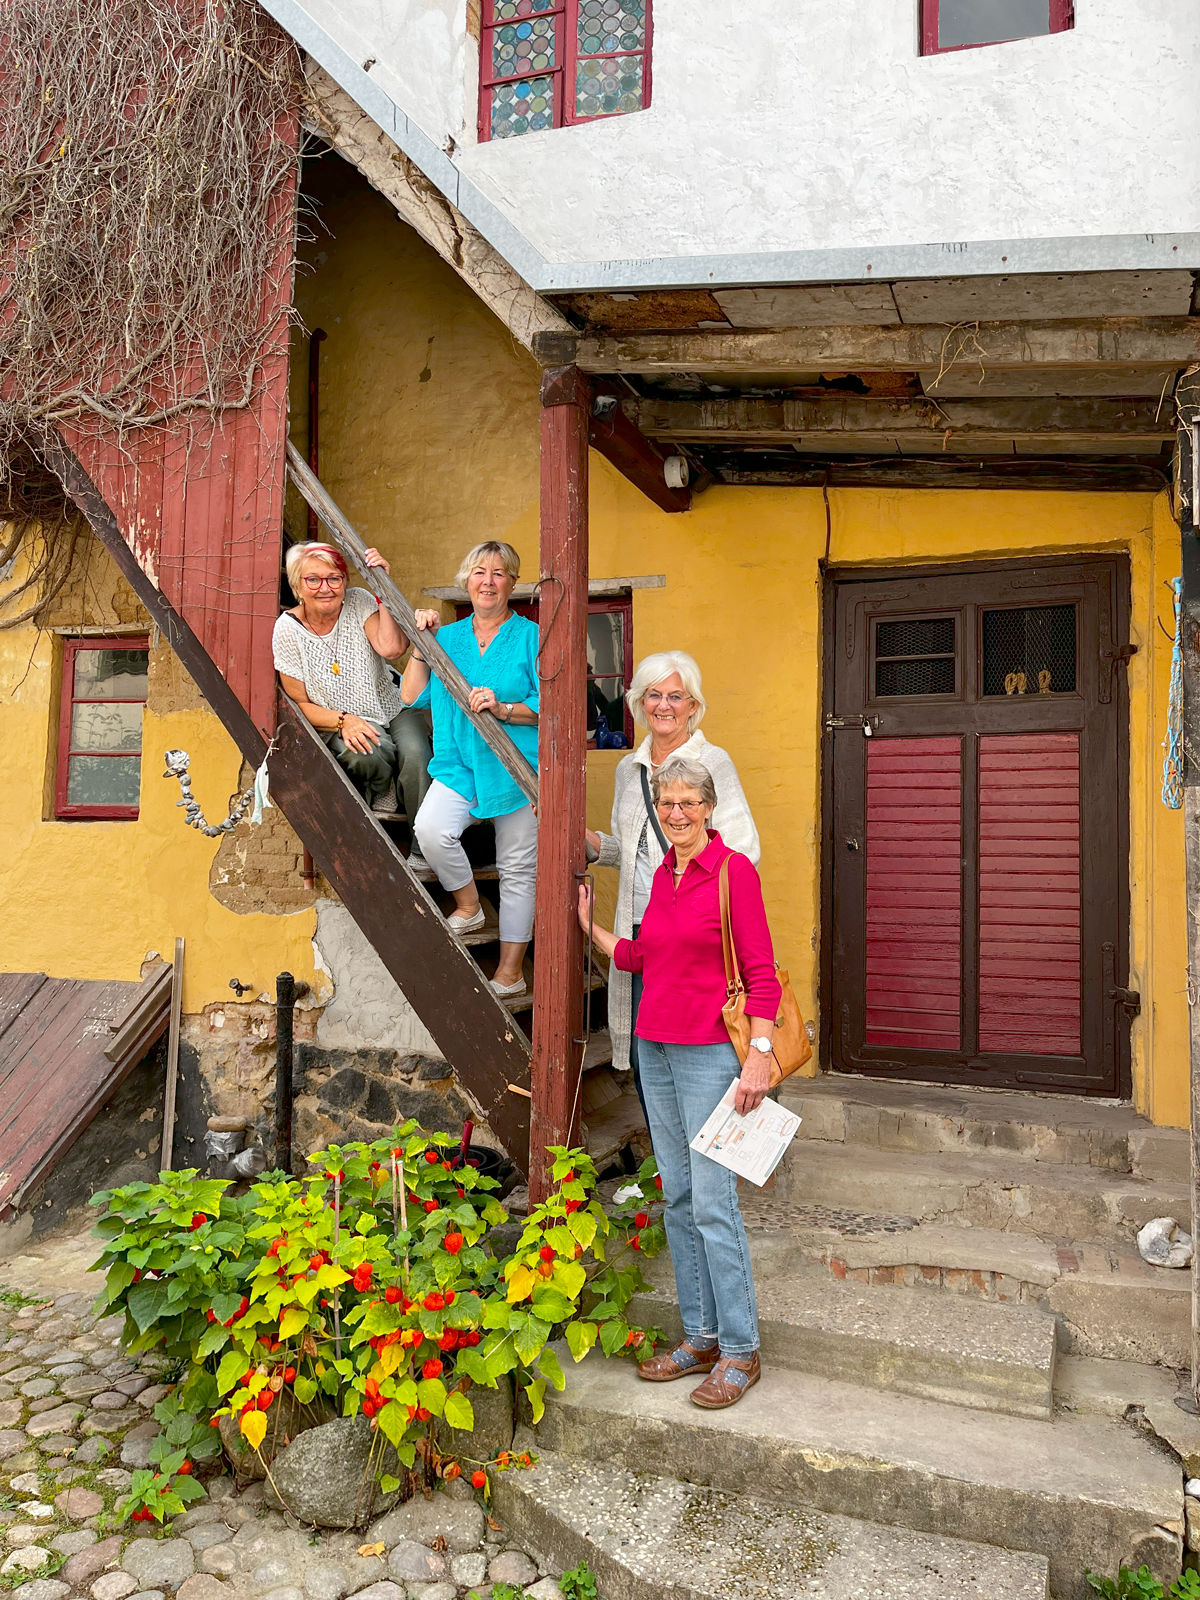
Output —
(651, 812)
(733, 976)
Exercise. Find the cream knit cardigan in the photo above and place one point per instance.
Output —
(731, 819)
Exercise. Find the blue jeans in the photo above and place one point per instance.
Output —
(682, 1084)
(634, 1041)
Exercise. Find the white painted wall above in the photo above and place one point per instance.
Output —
(809, 141)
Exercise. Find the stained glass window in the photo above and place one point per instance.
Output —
(546, 63)
(100, 730)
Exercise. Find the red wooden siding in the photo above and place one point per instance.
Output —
(1029, 890)
(914, 893)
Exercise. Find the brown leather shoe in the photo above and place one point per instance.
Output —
(685, 1361)
(727, 1382)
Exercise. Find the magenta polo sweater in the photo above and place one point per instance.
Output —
(678, 949)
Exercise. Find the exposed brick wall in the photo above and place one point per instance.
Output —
(258, 869)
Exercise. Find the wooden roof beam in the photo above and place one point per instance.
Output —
(1107, 343)
(755, 420)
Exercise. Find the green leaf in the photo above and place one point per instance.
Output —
(536, 1392)
(233, 1364)
(388, 1484)
(530, 1339)
(552, 1306)
(214, 1338)
(305, 1390)
(146, 1302)
(459, 1412)
(570, 1278)
(581, 1336)
(392, 1423)
(613, 1335)
(118, 1278)
(291, 1322)
(431, 1393)
(549, 1366)
(583, 1227)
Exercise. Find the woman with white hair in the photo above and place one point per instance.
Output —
(667, 698)
(331, 652)
(496, 651)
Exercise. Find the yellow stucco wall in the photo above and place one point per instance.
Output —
(89, 899)
(429, 442)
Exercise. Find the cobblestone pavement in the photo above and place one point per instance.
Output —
(76, 1417)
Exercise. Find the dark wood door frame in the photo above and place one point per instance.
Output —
(1062, 565)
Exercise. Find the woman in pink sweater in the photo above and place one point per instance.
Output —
(687, 1062)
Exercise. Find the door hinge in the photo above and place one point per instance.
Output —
(1129, 998)
(866, 724)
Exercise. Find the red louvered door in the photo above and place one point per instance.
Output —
(976, 855)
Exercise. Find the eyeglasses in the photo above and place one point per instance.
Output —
(689, 807)
(653, 697)
(325, 581)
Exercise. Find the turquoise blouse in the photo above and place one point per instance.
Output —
(461, 759)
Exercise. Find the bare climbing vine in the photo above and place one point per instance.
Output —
(147, 166)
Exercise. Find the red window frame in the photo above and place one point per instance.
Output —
(1062, 18)
(599, 603)
(72, 649)
(566, 54)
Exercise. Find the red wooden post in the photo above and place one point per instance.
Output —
(562, 768)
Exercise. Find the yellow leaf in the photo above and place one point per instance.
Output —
(389, 1359)
(292, 1320)
(371, 1549)
(521, 1284)
(254, 1428)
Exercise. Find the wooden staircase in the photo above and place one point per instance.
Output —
(485, 1040)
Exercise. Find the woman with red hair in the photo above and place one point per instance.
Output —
(331, 652)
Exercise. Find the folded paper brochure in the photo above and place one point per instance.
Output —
(752, 1146)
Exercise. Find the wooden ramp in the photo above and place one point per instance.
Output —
(54, 1072)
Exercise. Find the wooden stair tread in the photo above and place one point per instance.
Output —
(613, 1126)
(599, 1051)
(524, 1002)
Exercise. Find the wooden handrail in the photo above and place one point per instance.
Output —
(350, 542)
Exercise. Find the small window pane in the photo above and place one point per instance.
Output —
(523, 47)
(608, 25)
(604, 87)
(606, 670)
(1029, 650)
(104, 780)
(101, 725)
(928, 636)
(110, 674)
(990, 21)
(523, 107)
(914, 677)
(512, 10)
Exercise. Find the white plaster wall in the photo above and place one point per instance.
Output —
(367, 1010)
(815, 124)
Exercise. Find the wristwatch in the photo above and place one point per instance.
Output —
(763, 1046)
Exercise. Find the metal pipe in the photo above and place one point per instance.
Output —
(285, 1001)
(314, 416)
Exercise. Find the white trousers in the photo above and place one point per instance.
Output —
(439, 826)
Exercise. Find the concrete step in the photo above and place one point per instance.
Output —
(1091, 1387)
(1080, 1491)
(1061, 1203)
(927, 1119)
(655, 1538)
(964, 1352)
(1109, 1302)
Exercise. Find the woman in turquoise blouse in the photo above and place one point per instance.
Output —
(496, 651)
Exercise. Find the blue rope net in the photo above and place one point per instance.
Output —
(1172, 788)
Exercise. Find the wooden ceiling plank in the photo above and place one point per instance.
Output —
(814, 305)
(1045, 296)
(765, 420)
(1108, 342)
(1049, 382)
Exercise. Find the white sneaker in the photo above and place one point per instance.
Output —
(506, 991)
(385, 805)
(417, 861)
(459, 922)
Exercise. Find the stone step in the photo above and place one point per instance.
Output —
(964, 1352)
(919, 1119)
(1055, 1202)
(655, 1538)
(1081, 1491)
(1091, 1387)
(1109, 1302)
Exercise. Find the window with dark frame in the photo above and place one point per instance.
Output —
(610, 660)
(99, 771)
(967, 24)
(554, 63)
